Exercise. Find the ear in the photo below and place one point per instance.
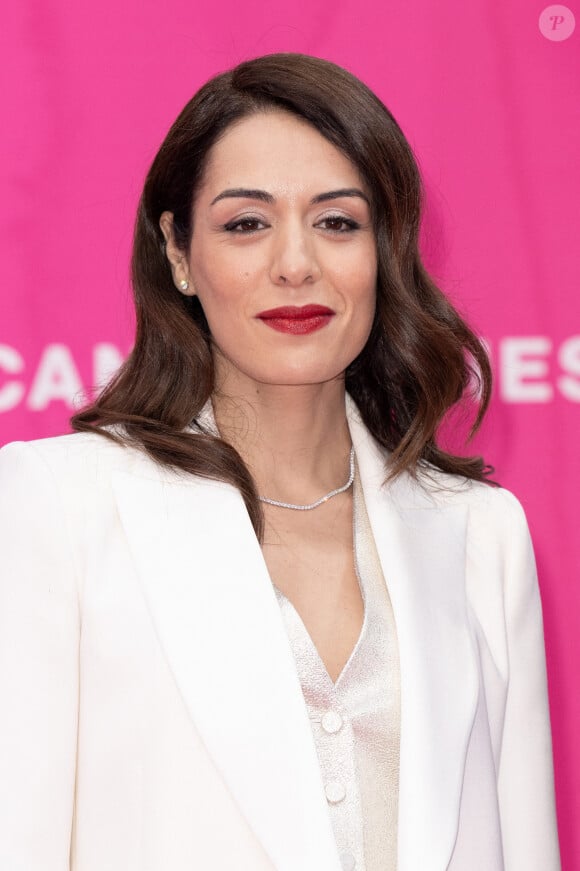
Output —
(176, 257)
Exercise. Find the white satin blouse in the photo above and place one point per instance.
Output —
(356, 721)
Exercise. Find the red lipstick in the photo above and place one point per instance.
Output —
(297, 320)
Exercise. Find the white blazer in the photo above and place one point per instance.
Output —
(151, 716)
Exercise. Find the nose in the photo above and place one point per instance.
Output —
(294, 261)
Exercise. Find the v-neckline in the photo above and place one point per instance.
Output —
(306, 634)
(356, 512)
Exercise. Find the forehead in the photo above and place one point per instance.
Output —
(276, 150)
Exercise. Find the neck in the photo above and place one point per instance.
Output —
(294, 439)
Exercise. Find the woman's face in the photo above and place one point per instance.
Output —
(281, 222)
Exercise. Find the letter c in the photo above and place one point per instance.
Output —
(13, 391)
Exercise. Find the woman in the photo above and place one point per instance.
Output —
(254, 617)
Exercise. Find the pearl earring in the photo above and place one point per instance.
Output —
(183, 284)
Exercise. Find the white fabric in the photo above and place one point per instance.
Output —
(143, 727)
(355, 720)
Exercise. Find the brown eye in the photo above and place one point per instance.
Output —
(244, 225)
(339, 224)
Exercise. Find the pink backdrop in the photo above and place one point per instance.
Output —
(489, 96)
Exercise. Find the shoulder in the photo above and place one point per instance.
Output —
(499, 554)
(76, 456)
(61, 446)
(430, 488)
(77, 445)
(481, 499)
(501, 582)
(495, 526)
(65, 486)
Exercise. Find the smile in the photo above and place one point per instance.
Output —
(297, 320)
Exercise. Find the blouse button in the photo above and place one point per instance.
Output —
(335, 791)
(331, 722)
(347, 861)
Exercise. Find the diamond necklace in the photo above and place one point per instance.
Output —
(322, 498)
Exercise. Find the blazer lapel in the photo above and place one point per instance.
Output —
(220, 626)
(421, 545)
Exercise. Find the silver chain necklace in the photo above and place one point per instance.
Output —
(322, 498)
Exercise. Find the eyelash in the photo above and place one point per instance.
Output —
(233, 225)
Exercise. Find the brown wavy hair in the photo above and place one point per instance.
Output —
(421, 358)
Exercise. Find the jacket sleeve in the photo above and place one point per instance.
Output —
(525, 776)
(39, 637)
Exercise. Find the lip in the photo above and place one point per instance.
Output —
(295, 312)
(297, 320)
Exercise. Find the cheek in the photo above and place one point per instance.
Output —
(358, 268)
(218, 277)
(360, 288)
(360, 329)
(363, 300)
(223, 293)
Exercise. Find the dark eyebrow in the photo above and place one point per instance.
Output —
(265, 197)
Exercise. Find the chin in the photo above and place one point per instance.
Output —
(282, 370)
(296, 377)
